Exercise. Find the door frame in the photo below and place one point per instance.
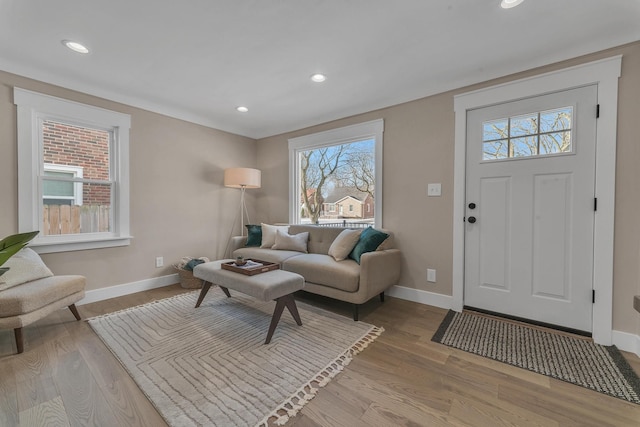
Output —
(604, 73)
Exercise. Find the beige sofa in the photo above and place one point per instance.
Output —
(343, 280)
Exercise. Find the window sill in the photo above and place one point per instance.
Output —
(44, 247)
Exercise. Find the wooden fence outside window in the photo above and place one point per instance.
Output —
(74, 219)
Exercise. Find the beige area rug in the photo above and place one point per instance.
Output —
(209, 365)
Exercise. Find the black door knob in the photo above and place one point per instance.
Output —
(472, 219)
(472, 205)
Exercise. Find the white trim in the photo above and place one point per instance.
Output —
(605, 74)
(422, 297)
(32, 108)
(627, 342)
(362, 131)
(128, 288)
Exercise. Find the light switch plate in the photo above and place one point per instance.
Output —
(434, 190)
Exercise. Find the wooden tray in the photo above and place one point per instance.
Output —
(251, 271)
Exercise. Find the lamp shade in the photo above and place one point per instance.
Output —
(242, 177)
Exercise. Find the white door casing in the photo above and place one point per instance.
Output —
(603, 73)
(529, 250)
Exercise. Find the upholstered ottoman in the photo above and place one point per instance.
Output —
(278, 285)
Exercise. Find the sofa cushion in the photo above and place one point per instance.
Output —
(369, 241)
(25, 266)
(270, 255)
(324, 270)
(344, 244)
(269, 234)
(291, 242)
(254, 235)
(33, 295)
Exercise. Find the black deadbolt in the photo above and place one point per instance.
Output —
(472, 205)
(472, 219)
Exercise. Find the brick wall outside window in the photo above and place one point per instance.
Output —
(79, 146)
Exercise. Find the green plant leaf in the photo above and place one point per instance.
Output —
(12, 244)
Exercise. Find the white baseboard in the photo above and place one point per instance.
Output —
(623, 340)
(626, 342)
(128, 288)
(422, 297)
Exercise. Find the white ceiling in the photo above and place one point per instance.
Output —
(199, 59)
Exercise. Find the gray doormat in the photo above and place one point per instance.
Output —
(575, 360)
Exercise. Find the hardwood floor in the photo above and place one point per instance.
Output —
(67, 377)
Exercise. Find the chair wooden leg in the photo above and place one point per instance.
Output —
(19, 343)
(74, 310)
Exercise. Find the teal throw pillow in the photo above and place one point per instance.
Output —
(254, 235)
(369, 241)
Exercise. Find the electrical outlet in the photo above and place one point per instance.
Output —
(434, 190)
(159, 261)
(431, 275)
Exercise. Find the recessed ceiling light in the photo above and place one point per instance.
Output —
(75, 46)
(242, 109)
(507, 4)
(318, 78)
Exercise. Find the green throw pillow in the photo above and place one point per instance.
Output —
(369, 241)
(254, 235)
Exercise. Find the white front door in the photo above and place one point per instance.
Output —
(530, 208)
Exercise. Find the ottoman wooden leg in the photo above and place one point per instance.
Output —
(19, 342)
(203, 292)
(282, 302)
(225, 290)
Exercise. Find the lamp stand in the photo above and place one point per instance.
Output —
(243, 210)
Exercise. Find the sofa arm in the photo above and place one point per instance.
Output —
(237, 242)
(379, 270)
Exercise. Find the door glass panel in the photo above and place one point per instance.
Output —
(524, 125)
(528, 135)
(524, 147)
(554, 143)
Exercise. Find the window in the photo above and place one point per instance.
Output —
(61, 189)
(73, 173)
(326, 167)
(535, 134)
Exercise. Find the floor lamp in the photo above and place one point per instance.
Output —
(242, 178)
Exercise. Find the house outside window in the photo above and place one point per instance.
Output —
(63, 190)
(343, 158)
(73, 173)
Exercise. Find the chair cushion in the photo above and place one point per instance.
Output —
(33, 295)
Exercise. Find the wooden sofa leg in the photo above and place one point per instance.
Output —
(19, 343)
(382, 296)
(355, 312)
(74, 310)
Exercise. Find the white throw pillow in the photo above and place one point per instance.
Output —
(25, 266)
(344, 244)
(288, 242)
(269, 234)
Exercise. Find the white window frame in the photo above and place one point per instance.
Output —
(33, 108)
(359, 132)
(77, 172)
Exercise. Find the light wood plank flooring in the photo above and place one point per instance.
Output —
(67, 377)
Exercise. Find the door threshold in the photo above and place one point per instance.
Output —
(529, 321)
